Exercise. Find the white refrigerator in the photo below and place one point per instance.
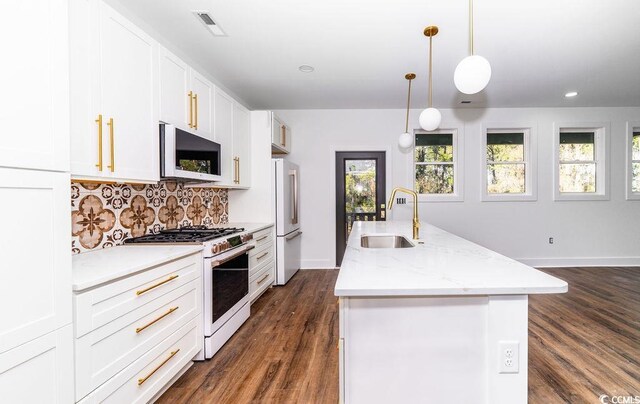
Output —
(286, 184)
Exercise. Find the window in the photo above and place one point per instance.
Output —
(581, 163)
(437, 175)
(633, 161)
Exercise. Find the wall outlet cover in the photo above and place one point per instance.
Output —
(509, 357)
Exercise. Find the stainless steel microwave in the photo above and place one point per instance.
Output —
(187, 156)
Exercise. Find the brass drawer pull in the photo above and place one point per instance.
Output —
(99, 122)
(261, 238)
(141, 291)
(262, 255)
(264, 278)
(144, 327)
(144, 379)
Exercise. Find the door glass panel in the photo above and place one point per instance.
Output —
(360, 191)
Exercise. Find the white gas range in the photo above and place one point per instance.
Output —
(225, 278)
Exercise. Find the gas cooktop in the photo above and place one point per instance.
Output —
(187, 234)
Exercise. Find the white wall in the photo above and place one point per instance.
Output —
(585, 232)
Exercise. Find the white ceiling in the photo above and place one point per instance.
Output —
(361, 50)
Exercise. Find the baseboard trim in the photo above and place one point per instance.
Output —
(582, 262)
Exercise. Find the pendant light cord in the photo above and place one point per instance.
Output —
(471, 25)
(430, 75)
(406, 126)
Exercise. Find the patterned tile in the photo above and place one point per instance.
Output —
(104, 215)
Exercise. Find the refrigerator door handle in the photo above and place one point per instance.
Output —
(291, 237)
(294, 211)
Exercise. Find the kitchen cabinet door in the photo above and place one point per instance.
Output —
(35, 281)
(175, 108)
(35, 85)
(128, 68)
(223, 107)
(241, 145)
(40, 371)
(202, 105)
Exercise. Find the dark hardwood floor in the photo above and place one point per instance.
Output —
(581, 344)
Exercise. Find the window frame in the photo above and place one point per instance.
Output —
(530, 162)
(602, 146)
(458, 165)
(632, 126)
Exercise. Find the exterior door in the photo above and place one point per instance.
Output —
(360, 193)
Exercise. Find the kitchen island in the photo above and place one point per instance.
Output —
(442, 320)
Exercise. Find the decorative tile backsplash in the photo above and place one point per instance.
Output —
(104, 215)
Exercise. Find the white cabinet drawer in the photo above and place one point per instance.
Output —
(104, 352)
(104, 304)
(143, 379)
(40, 371)
(263, 237)
(261, 281)
(259, 257)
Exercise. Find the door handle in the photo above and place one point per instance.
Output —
(190, 109)
(291, 237)
(112, 167)
(294, 211)
(99, 122)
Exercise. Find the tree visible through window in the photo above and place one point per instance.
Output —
(577, 154)
(434, 163)
(506, 165)
(635, 162)
(360, 186)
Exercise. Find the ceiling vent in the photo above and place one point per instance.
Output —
(208, 22)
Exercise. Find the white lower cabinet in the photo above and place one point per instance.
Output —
(40, 371)
(261, 263)
(135, 334)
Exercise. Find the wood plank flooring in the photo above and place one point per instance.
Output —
(581, 344)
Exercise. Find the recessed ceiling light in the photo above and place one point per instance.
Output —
(571, 94)
(306, 69)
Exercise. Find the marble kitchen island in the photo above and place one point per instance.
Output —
(444, 321)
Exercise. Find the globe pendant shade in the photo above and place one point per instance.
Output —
(405, 140)
(430, 119)
(472, 74)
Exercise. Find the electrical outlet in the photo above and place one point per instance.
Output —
(401, 201)
(509, 357)
(550, 240)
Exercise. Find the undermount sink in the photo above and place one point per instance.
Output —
(385, 241)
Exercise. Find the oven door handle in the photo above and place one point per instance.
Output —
(216, 261)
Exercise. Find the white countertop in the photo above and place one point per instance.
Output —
(444, 265)
(105, 265)
(248, 227)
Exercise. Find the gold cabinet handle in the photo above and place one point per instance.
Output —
(264, 278)
(190, 109)
(144, 379)
(261, 238)
(284, 136)
(99, 122)
(238, 169)
(262, 256)
(112, 166)
(195, 123)
(169, 279)
(144, 327)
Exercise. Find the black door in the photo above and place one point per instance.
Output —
(360, 192)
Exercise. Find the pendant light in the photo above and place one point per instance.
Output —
(474, 72)
(430, 118)
(406, 140)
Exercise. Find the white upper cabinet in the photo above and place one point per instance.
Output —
(223, 107)
(34, 83)
(241, 146)
(280, 136)
(175, 106)
(114, 101)
(202, 122)
(186, 97)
